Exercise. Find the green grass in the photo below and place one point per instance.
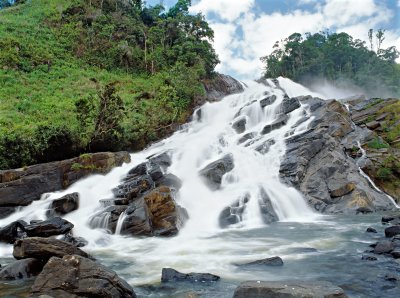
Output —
(377, 144)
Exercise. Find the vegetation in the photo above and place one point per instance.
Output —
(88, 75)
(338, 58)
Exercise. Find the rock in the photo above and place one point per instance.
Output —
(290, 104)
(277, 123)
(137, 220)
(288, 289)
(274, 261)
(392, 231)
(75, 276)
(369, 258)
(267, 210)
(50, 227)
(219, 87)
(240, 125)
(387, 219)
(364, 210)
(25, 268)
(133, 187)
(44, 248)
(169, 274)
(233, 214)
(396, 253)
(302, 250)
(264, 147)
(383, 247)
(391, 277)
(267, 101)
(170, 180)
(344, 190)
(371, 230)
(77, 241)
(373, 125)
(107, 219)
(64, 205)
(12, 232)
(215, 170)
(20, 187)
(246, 137)
(138, 170)
(6, 211)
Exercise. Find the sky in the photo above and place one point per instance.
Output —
(245, 30)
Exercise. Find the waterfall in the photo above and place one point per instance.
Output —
(120, 222)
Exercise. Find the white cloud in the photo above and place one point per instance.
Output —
(242, 36)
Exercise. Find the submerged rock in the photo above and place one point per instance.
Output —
(75, 276)
(64, 205)
(169, 274)
(20, 269)
(215, 170)
(50, 227)
(44, 248)
(288, 289)
(274, 261)
(371, 230)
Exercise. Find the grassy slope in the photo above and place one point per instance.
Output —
(43, 96)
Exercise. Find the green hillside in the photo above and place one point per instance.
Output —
(64, 64)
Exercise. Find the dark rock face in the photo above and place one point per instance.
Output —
(288, 289)
(215, 170)
(267, 210)
(44, 248)
(64, 205)
(77, 241)
(20, 187)
(392, 231)
(12, 232)
(75, 276)
(169, 274)
(274, 261)
(277, 123)
(267, 101)
(317, 165)
(383, 247)
(219, 87)
(25, 268)
(290, 104)
(51, 227)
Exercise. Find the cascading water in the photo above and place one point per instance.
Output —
(202, 245)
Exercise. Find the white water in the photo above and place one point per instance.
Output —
(200, 142)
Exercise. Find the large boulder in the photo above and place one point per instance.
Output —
(137, 220)
(19, 187)
(392, 231)
(47, 228)
(12, 232)
(75, 276)
(44, 248)
(214, 171)
(288, 289)
(290, 104)
(64, 205)
(25, 268)
(169, 274)
(218, 87)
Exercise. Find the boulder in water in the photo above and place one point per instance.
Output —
(288, 289)
(290, 104)
(50, 227)
(162, 159)
(169, 274)
(215, 170)
(274, 261)
(77, 241)
(371, 230)
(12, 232)
(75, 276)
(44, 248)
(267, 210)
(392, 231)
(277, 123)
(267, 101)
(137, 220)
(64, 205)
(25, 268)
(264, 147)
(383, 247)
(240, 125)
(233, 214)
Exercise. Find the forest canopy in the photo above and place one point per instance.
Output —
(337, 57)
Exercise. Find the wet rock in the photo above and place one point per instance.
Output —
(392, 231)
(267, 210)
(364, 210)
(246, 137)
(20, 269)
(215, 170)
(267, 101)
(19, 187)
(369, 258)
(50, 227)
(44, 248)
(171, 181)
(138, 170)
(6, 211)
(240, 125)
(383, 247)
(290, 104)
(391, 219)
(155, 172)
(169, 274)
(75, 276)
(371, 230)
(138, 220)
(134, 187)
(64, 205)
(264, 147)
(162, 159)
(233, 214)
(277, 123)
(114, 202)
(391, 277)
(344, 190)
(77, 241)
(274, 261)
(288, 289)
(395, 253)
(302, 250)
(12, 232)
